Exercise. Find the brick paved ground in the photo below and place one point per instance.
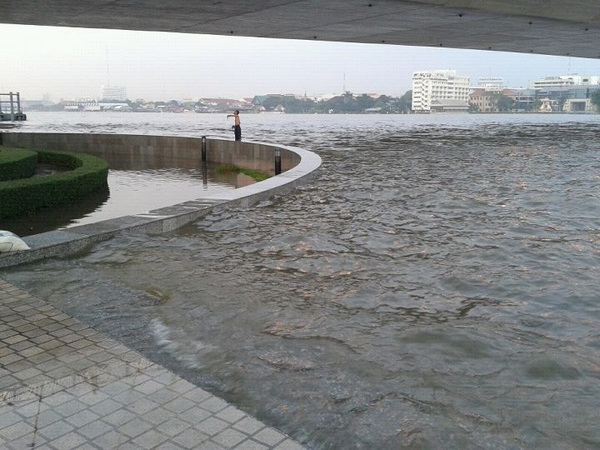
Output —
(65, 386)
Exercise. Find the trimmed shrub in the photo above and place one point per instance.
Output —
(16, 163)
(86, 174)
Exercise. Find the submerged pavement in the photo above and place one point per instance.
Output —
(64, 385)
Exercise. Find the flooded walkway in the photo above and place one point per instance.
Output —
(63, 385)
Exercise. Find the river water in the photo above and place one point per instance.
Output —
(436, 286)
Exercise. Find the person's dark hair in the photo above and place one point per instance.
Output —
(237, 111)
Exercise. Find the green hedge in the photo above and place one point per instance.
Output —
(16, 163)
(86, 174)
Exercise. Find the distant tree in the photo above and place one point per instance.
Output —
(595, 99)
(364, 102)
(405, 102)
(505, 103)
(386, 104)
(501, 102)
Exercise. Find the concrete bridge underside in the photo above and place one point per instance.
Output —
(552, 27)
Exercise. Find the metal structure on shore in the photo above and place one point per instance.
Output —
(10, 107)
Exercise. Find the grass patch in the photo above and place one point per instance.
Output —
(230, 168)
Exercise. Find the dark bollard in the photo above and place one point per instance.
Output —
(203, 148)
(204, 174)
(277, 161)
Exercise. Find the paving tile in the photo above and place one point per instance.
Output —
(9, 359)
(173, 426)
(93, 398)
(26, 442)
(288, 444)
(142, 406)
(179, 405)
(198, 395)
(194, 415)
(87, 446)
(31, 408)
(44, 419)
(114, 388)
(163, 396)
(230, 414)
(16, 431)
(22, 346)
(83, 389)
(214, 404)
(210, 445)
(56, 430)
(31, 351)
(168, 446)
(8, 382)
(58, 398)
(150, 439)
(111, 440)
(82, 418)
(181, 386)
(190, 438)
(94, 429)
(19, 366)
(9, 418)
(229, 438)
(211, 426)
(149, 387)
(119, 417)
(69, 408)
(249, 444)
(135, 427)
(269, 436)
(106, 407)
(249, 425)
(68, 441)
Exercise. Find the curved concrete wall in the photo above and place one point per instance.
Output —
(137, 150)
(298, 165)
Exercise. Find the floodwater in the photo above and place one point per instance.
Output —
(132, 189)
(436, 286)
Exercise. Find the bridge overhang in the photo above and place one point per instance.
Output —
(551, 27)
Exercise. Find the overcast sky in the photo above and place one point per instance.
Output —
(74, 62)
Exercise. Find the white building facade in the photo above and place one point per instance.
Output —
(114, 93)
(438, 85)
(565, 81)
(491, 83)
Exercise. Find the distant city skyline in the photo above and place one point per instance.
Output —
(75, 63)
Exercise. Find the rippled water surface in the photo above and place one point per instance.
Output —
(436, 286)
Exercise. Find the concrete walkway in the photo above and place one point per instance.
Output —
(64, 385)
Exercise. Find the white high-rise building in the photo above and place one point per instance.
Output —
(114, 93)
(429, 86)
(491, 83)
(566, 80)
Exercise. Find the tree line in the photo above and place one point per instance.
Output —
(345, 103)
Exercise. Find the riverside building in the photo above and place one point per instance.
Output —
(568, 93)
(437, 88)
(114, 93)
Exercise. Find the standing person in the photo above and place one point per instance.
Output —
(237, 129)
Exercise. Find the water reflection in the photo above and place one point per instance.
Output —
(56, 217)
(134, 187)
